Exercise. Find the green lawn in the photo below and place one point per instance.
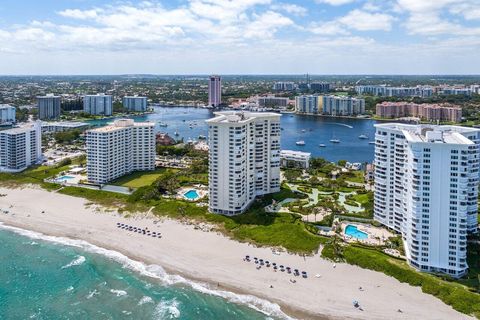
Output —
(33, 175)
(139, 178)
(355, 176)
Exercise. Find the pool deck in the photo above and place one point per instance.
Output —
(376, 236)
(200, 189)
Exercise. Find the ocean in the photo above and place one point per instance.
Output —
(44, 277)
(314, 130)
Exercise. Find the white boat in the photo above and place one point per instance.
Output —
(362, 136)
(334, 140)
(300, 143)
(321, 145)
(371, 142)
(176, 133)
(303, 130)
(162, 124)
(202, 137)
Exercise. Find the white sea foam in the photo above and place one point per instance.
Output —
(157, 272)
(92, 293)
(76, 262)
(145, 299)
(167, 309)
(69, 289)
(118, 293)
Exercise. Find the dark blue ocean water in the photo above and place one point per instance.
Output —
(45, 277)
(317, 130)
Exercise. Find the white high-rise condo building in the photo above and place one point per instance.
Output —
(20, 147)
(426, 188)
(135, 103)
(7, 114)
(329, 105)
(98, 104)
(119, 149)
(214, 91)
(308, 104)
(244, 159)
(49, 107)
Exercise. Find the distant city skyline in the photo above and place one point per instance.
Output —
(109, 37)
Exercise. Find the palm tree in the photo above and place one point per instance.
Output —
(336, 240)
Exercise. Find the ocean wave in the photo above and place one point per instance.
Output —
(92, 293)
(167, 309)
(157, 272)
(118, 293)
(69, 289)
(76, 262)
(145, 299)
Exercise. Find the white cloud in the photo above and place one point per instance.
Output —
(290, 8)
(266, 25)
(79, 14)
(328, 28)
(430, 18)
(366, 21)
(335, 2)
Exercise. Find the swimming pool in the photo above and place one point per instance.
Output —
(64, 178)
(191, 194)
(353, 231)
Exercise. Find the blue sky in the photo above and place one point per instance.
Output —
(240, 37)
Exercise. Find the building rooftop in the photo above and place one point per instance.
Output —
(240, 116)
(294, 153)
(121, 124)
(6, 106)
(22, 129)
(432, 133)
(72, 124)
(48, 95)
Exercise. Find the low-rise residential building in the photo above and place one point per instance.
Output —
(319, 87)
(425, 111)
(135, 103)
(426, 188)
(284, 86)
(7, 114)
(20, 147)
(49, 107)
(63, 126)
(118, 149)
(272, 101)
(294, 159)
(244, 159)
(386, 91)
(98, 104)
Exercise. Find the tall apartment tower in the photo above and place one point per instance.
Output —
(135, 103)
(426, 188)
(119, 149)
(99, 104)
(214, 91)
(244, 159)
(7, 113)
(20, 147)
(308, 104)
(48, 107)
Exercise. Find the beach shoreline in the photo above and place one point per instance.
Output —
(212, 258)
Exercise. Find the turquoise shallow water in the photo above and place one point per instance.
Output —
(53, 278)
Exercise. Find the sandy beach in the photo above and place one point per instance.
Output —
(209, 257)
